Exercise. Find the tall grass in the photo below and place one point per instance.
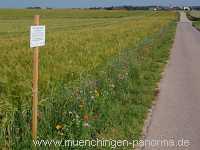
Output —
(98, 73)
(195, 17)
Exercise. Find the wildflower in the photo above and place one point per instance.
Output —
(86, 125)
(77, 116)
(61, 133)
(112, 86)
(92, 97)
(81, 104)
(86, 118)
(59, 126)
(70, 113)
(121, 77)
(97, 93)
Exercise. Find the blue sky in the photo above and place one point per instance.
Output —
(91, 3)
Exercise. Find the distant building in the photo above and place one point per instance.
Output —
(187, 8)
(154, 8)
(176, 8)
(33, 8)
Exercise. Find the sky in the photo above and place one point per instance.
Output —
(92, 3)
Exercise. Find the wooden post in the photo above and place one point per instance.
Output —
(35, 85)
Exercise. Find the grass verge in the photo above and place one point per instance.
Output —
(196, 24)
(195, 17)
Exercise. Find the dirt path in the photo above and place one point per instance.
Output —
(177, 112)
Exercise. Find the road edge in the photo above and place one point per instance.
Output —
(148, 120)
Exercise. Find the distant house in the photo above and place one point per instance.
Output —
(187, 8)
(155, 9)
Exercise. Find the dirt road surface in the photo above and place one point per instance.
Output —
(176, 116)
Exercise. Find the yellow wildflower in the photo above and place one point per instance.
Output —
(58, 126)
(97, 93)
(81, 104)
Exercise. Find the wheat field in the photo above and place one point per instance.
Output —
(98, 73)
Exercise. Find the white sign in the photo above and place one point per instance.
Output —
(37, 36)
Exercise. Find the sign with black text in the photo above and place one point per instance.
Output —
(37, 36)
